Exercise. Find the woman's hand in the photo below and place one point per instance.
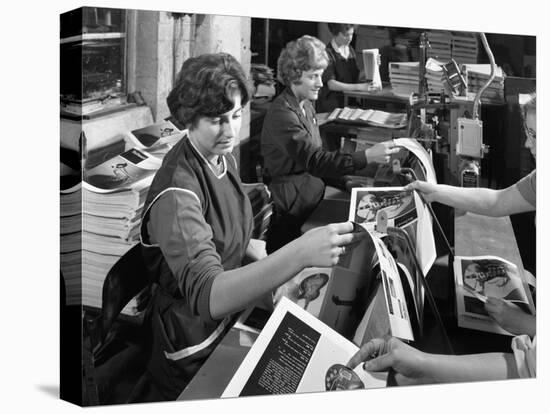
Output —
(511, 317)
(323, 246)
(363, 87)
(428, 190)
(408, 363)
(381, 152)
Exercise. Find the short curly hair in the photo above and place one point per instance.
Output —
(300, 55)
(205, 87)
(336, 28)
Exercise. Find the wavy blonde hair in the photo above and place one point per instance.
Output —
(300, 55)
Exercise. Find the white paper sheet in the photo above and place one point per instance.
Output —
(293, 354)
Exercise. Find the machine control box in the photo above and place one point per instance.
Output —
(470, 138)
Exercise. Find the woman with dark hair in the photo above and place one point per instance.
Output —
(196, 227)
(294, 159)
(342, 72)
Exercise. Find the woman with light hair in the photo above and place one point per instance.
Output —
(294, 160)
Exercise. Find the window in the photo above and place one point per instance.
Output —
(93, 55)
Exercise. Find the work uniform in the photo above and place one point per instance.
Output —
(340, 69)
(294, 161)
(196, 224)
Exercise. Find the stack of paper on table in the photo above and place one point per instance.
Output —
(393, 120)
(477, 75)
(71, 242)
(113, 194)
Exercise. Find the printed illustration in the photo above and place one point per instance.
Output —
(490, 277)
(339, 377)
(310, 287)
(397, 203)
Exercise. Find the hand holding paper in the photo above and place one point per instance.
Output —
(428, 190)
(381, 152)
(381, 355)
(511, 317)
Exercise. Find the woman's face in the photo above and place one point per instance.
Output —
(344, 38)
(214, 136)
(308, 85)
(531, 132)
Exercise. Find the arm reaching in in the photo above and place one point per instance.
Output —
(412, 366)
(381, 152)
(511, 317)
(485, 201)
(235, 289)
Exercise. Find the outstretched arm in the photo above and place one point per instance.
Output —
(415, 367)
(235, 289)
(485, 201)
(511, 317)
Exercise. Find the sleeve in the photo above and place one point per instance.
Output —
(525, 354)
(527, 187)
(295, 141)
(185, 239)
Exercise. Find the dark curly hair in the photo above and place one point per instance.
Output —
(305, 53)
(205, 87)
(336, 28)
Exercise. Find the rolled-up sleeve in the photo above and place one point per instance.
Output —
(177, 225)
(527, 187)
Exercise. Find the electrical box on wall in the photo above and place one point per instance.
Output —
(470, 138)
(469, 173)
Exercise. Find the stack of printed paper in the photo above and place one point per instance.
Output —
(404, 77)
(478, 74)
(435, 75)
(464, 47)
(439, 45)
(71, 242)
(113, 195)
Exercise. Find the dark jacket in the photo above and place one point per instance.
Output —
(294, 159)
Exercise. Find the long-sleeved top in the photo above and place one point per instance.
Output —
(196, 224)
(294, 158)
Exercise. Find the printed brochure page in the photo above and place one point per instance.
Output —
(296, 353)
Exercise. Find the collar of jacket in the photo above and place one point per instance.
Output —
(294, 105)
